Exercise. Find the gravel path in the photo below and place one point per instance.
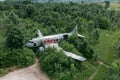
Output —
(30, 73)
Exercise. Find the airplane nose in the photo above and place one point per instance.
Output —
(29, 45)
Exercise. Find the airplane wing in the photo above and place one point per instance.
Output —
(39, 33)
(69, 54)
(74, 56)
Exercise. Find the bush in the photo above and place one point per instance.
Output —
(15, 38)
(104, 22)
(1, 71)
(58, 66)
(79, 46)
(16, 57)
(113, 73)
(117, 47)
(86, 50)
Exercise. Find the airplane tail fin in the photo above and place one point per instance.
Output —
(39, 33)
(75, 31)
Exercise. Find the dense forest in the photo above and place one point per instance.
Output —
(71, 0)
(19, 21)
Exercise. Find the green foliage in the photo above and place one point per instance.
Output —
(113, 72)
(74, 40)
(58, 66)
(15, 38)
(13, 18)
(107, 4)
(104, 22)
(1, 71)
(68, 47)
(16, 57)
(95, 36)
(86, 49)
(81, 45)
(117, 46)
(30, 9)
(91, 26)
(21, 19)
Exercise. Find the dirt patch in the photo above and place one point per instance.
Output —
(30, 73)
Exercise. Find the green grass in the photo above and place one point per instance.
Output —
(106, 54)
(113, 6)
(100, 73)
(105, 50)
(85, 74)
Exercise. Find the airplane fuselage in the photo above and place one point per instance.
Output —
(50, 39)
(54, 38)
(43, 42)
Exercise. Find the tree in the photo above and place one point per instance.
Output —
(107, 4)
(90, 26)
(14, 18)
(82, 2)
(15, 38)
(86, 50)
(113, 73)
(95, 35)
(117, 47)
(59, 65)
(16, 57)
(30, 9)
(104, 22)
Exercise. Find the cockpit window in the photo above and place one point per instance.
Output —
(30, 41)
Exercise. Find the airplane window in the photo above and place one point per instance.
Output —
(30, 42)
(65, 36)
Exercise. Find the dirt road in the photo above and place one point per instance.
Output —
(30, 73)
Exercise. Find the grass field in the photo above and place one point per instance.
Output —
(106, 54)
(115, 6)
(105, 50)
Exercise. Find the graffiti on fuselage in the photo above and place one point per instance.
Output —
(50, 41)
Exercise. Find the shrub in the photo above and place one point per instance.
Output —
(56, 63)
(117, 47)
(1, 71)
(113, 73)
(15, 38)
(16, 57)
(104, 22)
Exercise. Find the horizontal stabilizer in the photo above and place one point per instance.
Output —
(75, 31)
(79, 35)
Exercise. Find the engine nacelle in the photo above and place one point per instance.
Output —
(41, 49)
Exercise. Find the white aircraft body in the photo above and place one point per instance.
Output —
(52, 41)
